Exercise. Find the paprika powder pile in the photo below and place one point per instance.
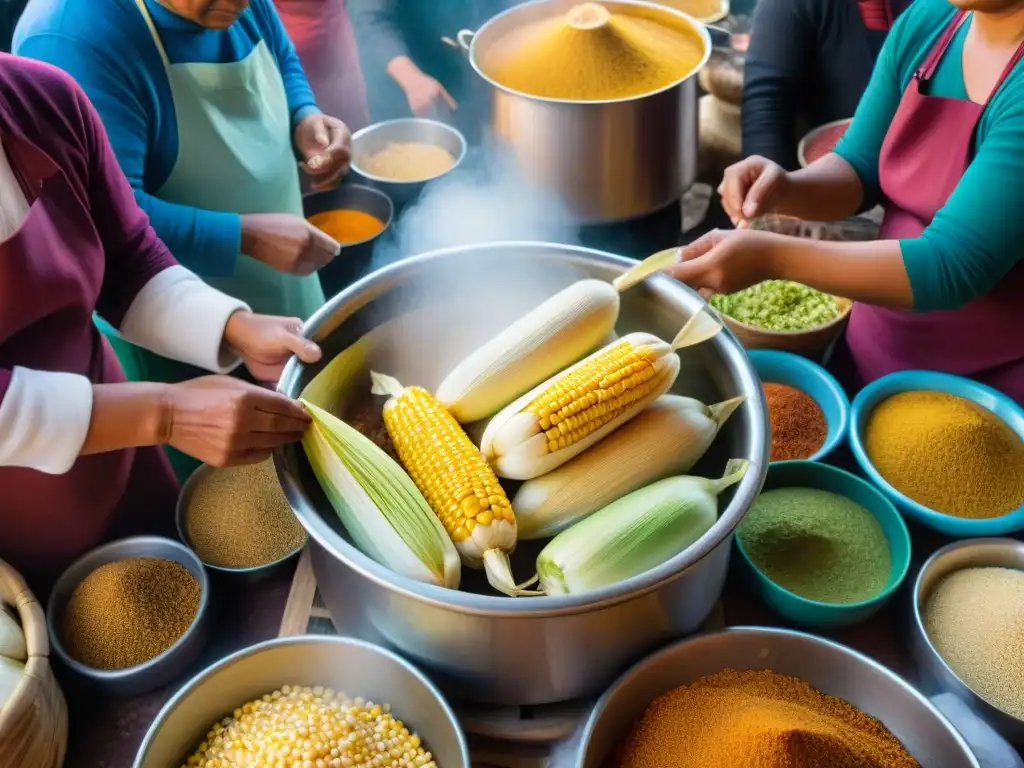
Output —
(798, 424)
(758, 719)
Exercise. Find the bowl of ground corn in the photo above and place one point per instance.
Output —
(825, 549)
(238, 521)
(130, 616)
(748, 697)
(968, 632)
(310, 700)
(948, 451)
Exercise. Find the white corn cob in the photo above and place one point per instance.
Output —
(667, 439)
(576, 408)
(551, 336)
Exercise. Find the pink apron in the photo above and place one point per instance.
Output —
(923, 157)
(51, 272)
(323, 36)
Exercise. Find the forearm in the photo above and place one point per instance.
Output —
(826, 190)
(207, 243)
(403, 70)
(126, 415)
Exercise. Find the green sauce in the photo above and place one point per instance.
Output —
(778, 305)
(817, 544)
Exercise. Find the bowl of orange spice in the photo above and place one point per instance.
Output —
(356, 216)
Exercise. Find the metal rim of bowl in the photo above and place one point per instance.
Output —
(655, 658)
(822, 373)
(188, 688)
(842, 317)
(495, 605)
(868, 399)
(181, 512)
(812, 134)
(114, 675)
(918, 600)
(886, 593)
(363, 189)
(696, 26)
(372, 128)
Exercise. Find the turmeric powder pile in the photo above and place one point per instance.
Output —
(347, 227)
(758, 719)
(590, 54)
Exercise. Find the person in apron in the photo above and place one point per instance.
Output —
(941, 130)
(228, 201)
(79, 461)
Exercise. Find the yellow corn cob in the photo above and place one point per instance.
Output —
(571, 411)
(545, 340)
(453, 477)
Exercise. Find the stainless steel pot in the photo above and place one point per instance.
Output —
(609, 160)
(415, 320)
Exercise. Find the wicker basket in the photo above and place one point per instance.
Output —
(34, 721)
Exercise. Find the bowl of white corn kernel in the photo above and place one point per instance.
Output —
(308, 700)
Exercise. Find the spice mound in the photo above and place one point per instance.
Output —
(817, 544)
(408, 161)
(778, 305)
(238, 517)
(126, 612)
(299, 726)
(797, 423)
(585, 55)
(947, 453)
(975, 620)
(758, 719)
(347, 226)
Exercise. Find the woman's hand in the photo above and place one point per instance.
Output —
(266, 342)
(224, 421)
(287, 243)
(424, 94)
(326, 145)
(752, 187)
(724, 261)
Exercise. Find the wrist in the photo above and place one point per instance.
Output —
(403, 71)
(236, 329)
(250, 235)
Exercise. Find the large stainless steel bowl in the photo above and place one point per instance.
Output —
(609, 160)
(415, 320)
(831, 668)
(354, 667)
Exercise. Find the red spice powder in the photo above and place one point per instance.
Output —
(824, 142)
(798, 424)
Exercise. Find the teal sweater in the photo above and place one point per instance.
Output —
(977, 237)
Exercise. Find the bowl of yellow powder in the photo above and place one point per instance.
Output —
(948, 451)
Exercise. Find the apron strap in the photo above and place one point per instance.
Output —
(152, 31)
(935, 55)
(1008, 69)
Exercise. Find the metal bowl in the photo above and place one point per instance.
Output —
(159, 670)
(255, 573)
(831, 668)
(374, 138)
(352, 666)
(415, 320)
(935, 673)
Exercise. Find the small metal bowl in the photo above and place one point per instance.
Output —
(374, 138)
(344, 664)
(935, 673)
(161, 669)
(251, 575)
(831, 668)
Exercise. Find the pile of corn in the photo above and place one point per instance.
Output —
(558, 405)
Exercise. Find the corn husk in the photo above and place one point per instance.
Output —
(638, 532)
(12, 639)
(667, 439)
(378, 503)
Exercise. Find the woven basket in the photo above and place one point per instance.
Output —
(34, 721)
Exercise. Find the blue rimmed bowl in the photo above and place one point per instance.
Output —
(812, 613)
(775, 367)
(912, 381)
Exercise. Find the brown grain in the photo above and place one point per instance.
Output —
(798, 424)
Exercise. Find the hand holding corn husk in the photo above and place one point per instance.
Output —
(667, 439)
(456, 481)
(576, 408)
(380, 507)
(634, 534)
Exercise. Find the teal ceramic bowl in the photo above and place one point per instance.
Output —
(794, 371)
(811, 613)
(909, 381)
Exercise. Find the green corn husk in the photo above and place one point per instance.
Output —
(378, 503)
(634, 534)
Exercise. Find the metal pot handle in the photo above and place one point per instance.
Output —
(465, 39)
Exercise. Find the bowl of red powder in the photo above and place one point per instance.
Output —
(808, 410)
(820, 141)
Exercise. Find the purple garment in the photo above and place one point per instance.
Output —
(85, 246)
